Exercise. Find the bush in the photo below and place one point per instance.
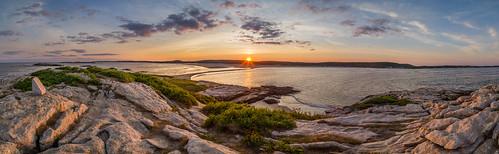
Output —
(381, 100)
(256, 140)
(49, 77)
(305, 115)
(114, 73)
(188, 85)
(169, 90)
(69, 69)
(242, 118)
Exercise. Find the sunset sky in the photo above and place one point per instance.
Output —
(420, 32)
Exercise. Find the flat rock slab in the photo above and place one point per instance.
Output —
(142, 95)
(325, 132)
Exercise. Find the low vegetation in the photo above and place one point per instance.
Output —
(252, 122)
(50, 77)
(182, 91)
(381, 100)
(160, 84)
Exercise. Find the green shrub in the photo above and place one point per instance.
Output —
(69, 69)
(23, 85)
(305, 115)
(188, 85)
(203, 98)
(114, 73)
(49, 77)
(381, 100)
(169, 90)
(255, 140)
(242, 118)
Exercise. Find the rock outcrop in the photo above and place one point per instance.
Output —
(114, 118)
(439, 122)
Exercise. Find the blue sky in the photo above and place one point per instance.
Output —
(418, 32)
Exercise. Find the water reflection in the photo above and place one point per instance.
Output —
(248, 78)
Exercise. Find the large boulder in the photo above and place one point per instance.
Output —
(464, 132)
(141, 95)
(22, 115)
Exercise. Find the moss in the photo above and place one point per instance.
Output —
(381, 100)
(255, 140)
(49, 77)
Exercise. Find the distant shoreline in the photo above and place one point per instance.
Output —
(238, 63)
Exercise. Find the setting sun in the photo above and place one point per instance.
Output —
(249, 59)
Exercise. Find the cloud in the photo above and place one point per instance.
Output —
(100, 54)
(191, 19)
(228, 4)
(61, 52)
(11, 53)
(348, 22)
(55, 43)
(460, 38)
(231, 4)
(317, 6)
(83, 38)
(469, 25)
(422, 27)
(36, 10)
(140, 29)
(366, 7)
(8, 33)
(377, 27)
(259, 31)
(470, 44)
(263, 29)
(466, 24)
(492, 32)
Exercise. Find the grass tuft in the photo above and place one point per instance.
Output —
(256, 140)
(381, 100)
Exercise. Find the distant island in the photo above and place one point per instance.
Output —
(238, 63)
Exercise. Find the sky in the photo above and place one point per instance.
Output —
(422, 32)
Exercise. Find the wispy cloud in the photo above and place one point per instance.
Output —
(100, 54)
(7, 33)
(11, 53)
(492, 32)
(367, 7)
(377, 27)
(421, 26)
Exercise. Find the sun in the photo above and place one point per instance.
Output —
(249, 59)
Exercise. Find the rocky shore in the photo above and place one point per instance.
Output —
(132, 117)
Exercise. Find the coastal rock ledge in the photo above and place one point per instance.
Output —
(119, 117)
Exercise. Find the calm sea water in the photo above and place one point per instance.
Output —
(344, 86)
